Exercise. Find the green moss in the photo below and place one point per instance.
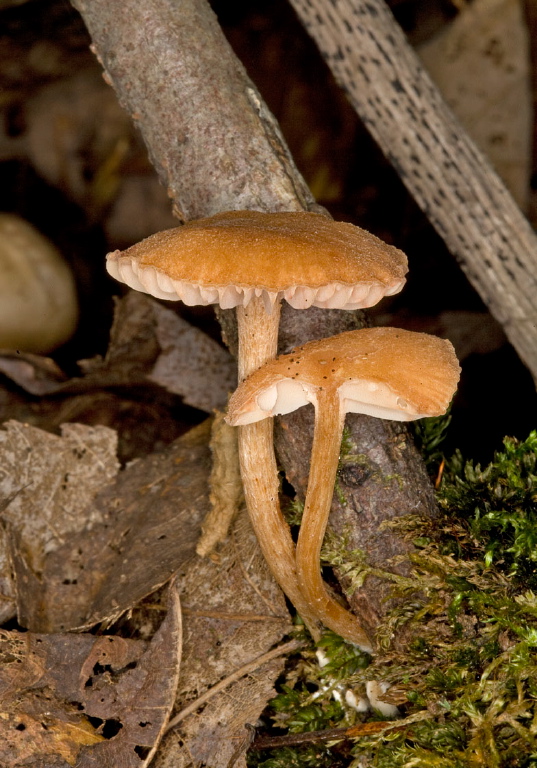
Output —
(429, 434)
(293, 511)
(317, 756)
(499, 505)
(458, 650)
(471, 655)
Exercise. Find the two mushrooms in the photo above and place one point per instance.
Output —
(252, 261)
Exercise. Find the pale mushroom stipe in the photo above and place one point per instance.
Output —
(252, 261)
(384, 372)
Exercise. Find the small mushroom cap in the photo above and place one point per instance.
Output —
(385, 372)
(305, 258)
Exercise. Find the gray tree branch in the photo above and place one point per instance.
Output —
(449, 178)
(214, 143)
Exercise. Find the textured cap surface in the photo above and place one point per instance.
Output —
(385, 372)
(228, 258)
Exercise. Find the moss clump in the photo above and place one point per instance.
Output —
(459, 650)
(466, 655)
(499, 505)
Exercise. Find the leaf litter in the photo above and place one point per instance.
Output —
(148, 343)
(84, 700)
(233, 614)
(91, 560)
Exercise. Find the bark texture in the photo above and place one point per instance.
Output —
(212, 140)
(449, 178)
(216, 148)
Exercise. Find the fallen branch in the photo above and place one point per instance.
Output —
(452, 182)
(358, 731)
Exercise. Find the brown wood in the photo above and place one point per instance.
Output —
(449, 178)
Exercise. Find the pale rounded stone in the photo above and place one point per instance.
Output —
(38, 300)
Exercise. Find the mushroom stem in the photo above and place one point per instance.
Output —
(329, 420)
(258, 337)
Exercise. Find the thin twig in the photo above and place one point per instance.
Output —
(329, 734)
(292, 645)
(233, 616)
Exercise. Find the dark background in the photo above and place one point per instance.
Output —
(71, 164)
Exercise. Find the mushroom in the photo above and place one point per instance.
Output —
(252, 260)
(384, 372)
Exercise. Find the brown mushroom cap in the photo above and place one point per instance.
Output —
(385, 372)
(305, 258)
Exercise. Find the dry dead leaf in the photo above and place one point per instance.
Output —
(140, 530)
(191, 364)
(234, 613)
(36, 374)
(72, 122)
(481, 64)
(221, 735)
(81, 700)
(148, 342)
(46, 485)
(234, 610)
(8, 606)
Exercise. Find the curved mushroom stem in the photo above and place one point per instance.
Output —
(258, 338)
(329, 420)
